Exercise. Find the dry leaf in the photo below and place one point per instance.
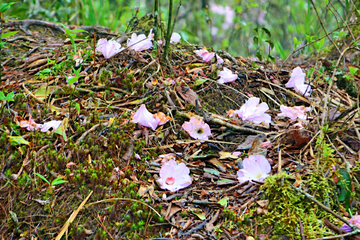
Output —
(146, 189)
(218, 164)
(188, 95)
(256, 147)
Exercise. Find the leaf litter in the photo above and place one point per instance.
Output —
(111, 165)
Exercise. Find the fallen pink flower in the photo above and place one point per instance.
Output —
(230, 113)
(226, 76)
(207, 56)
(266, 144)
(297, 77)
(297, 81)
(303, 89)
(54, 124)
(255, 168)
(30, 125)
(294, 112)
(254, 112)
(175, 38)
(174, 176)
(197, 129)
(355, 220)
(166, 157)
(141, 42)
(161, 118)
(237, 153)
(78, 60)
(144, 118)
(108, 48)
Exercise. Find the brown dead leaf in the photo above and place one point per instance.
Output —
(249, 141)
(146, 189)
(187, 224)
(171, 211)
(37, 63)
(203, 193)
(302, 137)
(226, 155)
(256, 147)
(262, 203)
(218, 164)
(137, 56)
(260, 211)
(188, 95)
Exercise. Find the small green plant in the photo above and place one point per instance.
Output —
(71, 34)
(8, 98)
(74, 79)
(56, 181)
(258, 40)
(3, 8)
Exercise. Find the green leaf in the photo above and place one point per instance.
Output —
(77, 106)
(256, 40)
(345, 185)
(212, 171)
(42, 177)
(296, 42)
(223, 202)
(200, 81)
(58, 181)
(61, 130)
(72, 80)
(46, 70)
(8, 34)
(199, 214)
(17, 140)
(5, 6)
(2, 96)
(259, 55)
(270, 43)
(9, 97)
(225, 181)
(353, 70)
(78, 30)
(267, 31)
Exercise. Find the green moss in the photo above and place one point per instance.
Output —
(287, 206)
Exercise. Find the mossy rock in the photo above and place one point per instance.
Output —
(141, 25)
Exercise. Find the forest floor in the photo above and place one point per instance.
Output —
(94, 177)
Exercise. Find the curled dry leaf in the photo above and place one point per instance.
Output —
(188, 95)
(256, 146)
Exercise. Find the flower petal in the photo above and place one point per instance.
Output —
(297, 77)
(226, 76)
(108, 48)
(175, 38)
(144, 118)
(54, 124)
(197, 129)
(294, 112)
(255, 168)
(254, 112)
(173, 176)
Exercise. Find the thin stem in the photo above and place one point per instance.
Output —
(168, 32)
(322, 25)
(1, 28)
(156, 12)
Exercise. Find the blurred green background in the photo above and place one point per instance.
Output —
(227, 25)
